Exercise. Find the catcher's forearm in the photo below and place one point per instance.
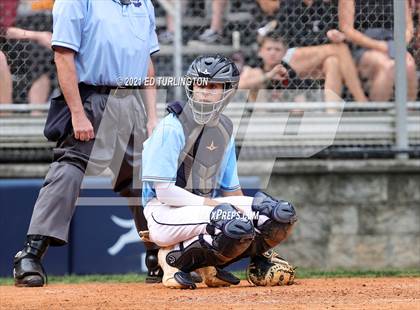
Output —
(170, 194)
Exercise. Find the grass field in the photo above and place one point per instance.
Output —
(302, 273)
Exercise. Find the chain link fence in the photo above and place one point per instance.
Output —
(30, 62)
(305, 34)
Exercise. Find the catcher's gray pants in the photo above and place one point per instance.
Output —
(119, 123)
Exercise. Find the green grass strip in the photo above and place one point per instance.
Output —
(69, 279)
(302, 273)
(305, 273)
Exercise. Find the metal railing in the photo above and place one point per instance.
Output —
(388, 126)
(262, 129)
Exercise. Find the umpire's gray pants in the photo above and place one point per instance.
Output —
(119, 122)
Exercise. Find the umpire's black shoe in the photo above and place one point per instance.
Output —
(154, 271)
(28, 270)
(154, 276)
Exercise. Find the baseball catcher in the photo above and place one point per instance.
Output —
(190, 157)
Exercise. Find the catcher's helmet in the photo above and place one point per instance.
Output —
(212, 69)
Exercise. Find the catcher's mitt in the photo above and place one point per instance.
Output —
(270, 269)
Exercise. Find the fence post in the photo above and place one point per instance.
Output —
(178, 46)
(400, 78)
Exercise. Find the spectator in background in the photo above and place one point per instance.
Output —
(269, 7)
(368, 24)
(7, 17)
(272, 73)
(40, 88)
(213, 35)
(167, 36)
(5, 80)
(317, 51)
(415, 9)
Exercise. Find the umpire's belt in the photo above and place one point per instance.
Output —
(58, 124)
(116, 91)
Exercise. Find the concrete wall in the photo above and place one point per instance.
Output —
(351, 213)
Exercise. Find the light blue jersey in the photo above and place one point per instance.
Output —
(113, 42)
(161, 153)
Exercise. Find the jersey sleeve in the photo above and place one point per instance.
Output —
(161, 153)
(68, 21)
(229, 177)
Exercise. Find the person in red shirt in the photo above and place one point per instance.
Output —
(39, 90)
(8, 10)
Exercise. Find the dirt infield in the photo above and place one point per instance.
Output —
(336, 293)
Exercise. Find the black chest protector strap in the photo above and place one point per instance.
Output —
(200, 161)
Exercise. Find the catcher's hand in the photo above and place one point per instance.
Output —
(144, 236)
(270, 269)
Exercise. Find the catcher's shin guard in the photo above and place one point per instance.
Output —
(229, 236)
(280, 216)
(28, 270)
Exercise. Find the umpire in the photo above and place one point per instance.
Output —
(98, 46)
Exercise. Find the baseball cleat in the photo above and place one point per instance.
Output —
(185, 279)
(227, 276)
(196, 277)
(173, 277)
(217, 277)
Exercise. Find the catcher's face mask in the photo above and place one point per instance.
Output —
(208, 100)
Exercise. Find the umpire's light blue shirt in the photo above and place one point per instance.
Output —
(161, 153)
(113, 42)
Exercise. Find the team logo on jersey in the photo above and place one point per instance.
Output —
(211, 147)
(136, 3)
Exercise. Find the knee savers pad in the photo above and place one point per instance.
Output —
(232, 233)
(272, 233)
(280, 211)
(281, 217)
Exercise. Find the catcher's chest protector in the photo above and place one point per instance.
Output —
(201, 159)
